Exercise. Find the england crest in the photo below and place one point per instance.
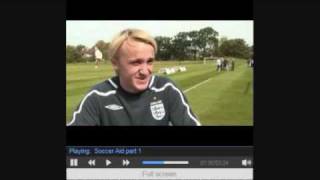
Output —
(157, 110)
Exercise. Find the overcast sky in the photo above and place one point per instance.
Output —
(89, 32)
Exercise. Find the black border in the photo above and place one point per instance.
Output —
(160, 10)
(160, 136)
(33, 97)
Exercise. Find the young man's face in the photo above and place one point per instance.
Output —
(134, 65)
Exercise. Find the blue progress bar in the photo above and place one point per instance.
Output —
(152, 162)
(163, 162)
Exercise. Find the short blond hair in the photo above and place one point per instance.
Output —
(134, 34)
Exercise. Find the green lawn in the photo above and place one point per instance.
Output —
(226, 98)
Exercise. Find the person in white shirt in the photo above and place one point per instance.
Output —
(97, 56)
(219, 64)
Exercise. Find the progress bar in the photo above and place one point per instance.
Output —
(163, 162)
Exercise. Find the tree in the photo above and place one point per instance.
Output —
(194, 43)
(164, 47)
(180, 45)
(72, 54)
(221, 41)
(236, 48)
(80, 50)
(207, 41)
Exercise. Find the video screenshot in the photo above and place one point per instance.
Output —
(159, 73)
(159, 99)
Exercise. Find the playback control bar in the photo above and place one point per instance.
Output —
(158, 157)
(159, 162)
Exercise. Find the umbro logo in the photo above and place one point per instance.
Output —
(114, 107)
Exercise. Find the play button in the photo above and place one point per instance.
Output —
(108, 162)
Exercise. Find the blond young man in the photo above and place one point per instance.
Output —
(134, 97)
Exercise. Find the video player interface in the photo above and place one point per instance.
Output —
(163, 162)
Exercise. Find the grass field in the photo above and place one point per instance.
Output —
(221, 98)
